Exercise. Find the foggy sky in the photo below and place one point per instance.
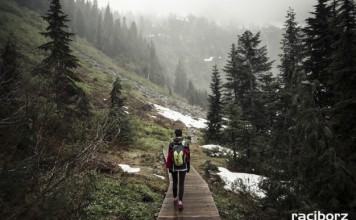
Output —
(244, 12)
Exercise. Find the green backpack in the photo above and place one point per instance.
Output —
(178, 155)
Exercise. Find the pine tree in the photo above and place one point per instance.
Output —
(214, 116)
(9, 77)
(80, 24)
(107, 35)
(291, 57)
(233, 80)
(117, 100)
(99, 30)
(154, 70)
(70, 99)
(60, 57)
(318, 49)
(343, 68)
(253, 65)
(180, 82)
(236, 132)
(290, 69)
(118, 126)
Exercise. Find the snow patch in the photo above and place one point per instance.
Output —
(242, 182)
(161, 177)
(218, 150)
(189, 121)
(208, 59)
(126, 168)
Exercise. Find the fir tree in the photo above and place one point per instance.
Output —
(343, 67)
(118, 126)
(9, 78)
(69, 97)
(80, 24)
(214, 116)
(236, 131)
(292, 49)
(253, 65)
(233, 80)
(117, 100)
(318, 49)
(180, 82)
(60, 57)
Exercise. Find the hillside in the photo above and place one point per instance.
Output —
(201, 43)
(112, 191)
(84, 116)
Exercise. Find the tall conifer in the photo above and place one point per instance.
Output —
(214, 116)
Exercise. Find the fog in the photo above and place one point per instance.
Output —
(244, 12)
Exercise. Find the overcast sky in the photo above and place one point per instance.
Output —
(239, 11)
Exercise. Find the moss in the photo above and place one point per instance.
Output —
(115, 198)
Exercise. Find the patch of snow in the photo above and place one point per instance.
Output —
(221, 150)
(208, 59)
(241, 181)
(126, 168)
(161, 177)
(176, 116)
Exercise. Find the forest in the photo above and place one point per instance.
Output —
(69, 72)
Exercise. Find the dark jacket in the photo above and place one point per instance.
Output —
(169, 163)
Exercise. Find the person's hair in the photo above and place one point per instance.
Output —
(178, 132)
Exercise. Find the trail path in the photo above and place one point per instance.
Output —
(198, 201)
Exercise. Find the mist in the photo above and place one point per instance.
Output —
(244, 12)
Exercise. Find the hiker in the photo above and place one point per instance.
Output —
(178, 163)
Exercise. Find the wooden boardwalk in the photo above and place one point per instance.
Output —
(197, 200)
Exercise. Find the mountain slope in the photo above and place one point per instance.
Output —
(97, 73)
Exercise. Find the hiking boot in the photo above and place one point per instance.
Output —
(180, 206)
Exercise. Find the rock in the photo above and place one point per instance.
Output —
(105, 165)
(147, 198)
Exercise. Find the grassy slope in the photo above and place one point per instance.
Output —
(117, 193)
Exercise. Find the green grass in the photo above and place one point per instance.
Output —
(116, 196)
(126, 197)
(25, 34)
(151, 136)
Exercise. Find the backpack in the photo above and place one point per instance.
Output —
(178, 154)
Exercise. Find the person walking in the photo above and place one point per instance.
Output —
(178, 163)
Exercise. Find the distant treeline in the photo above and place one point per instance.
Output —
(109, 32)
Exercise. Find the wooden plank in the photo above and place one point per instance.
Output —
(189, 218)
(197, 200)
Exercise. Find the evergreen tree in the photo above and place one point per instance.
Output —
(69, 97)
(180, 82)
(232, 77)
(253, 66)
(116, 96)
(108, 37)
(343, 67)
(60, 57)
(290, 67)
(118, 126)
(236, 131)
(318, 49)
(292, 49)
(214, 116)
(80, 24)
(99, 30)
(154, 70)
(9, 77)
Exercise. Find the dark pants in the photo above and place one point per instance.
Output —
(181, 175)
